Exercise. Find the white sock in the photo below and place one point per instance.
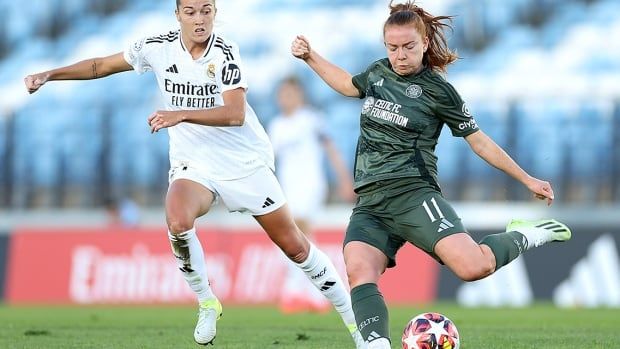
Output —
(322, 273)
(191, 260)
(535, 236)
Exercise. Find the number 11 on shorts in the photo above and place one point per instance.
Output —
(429, 212)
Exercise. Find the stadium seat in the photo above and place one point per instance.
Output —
(342, 122)
(3, 151)
(496, 39)
(484, 181)
(539, 147)
(450, 165)
(37, 159)
(590, 158)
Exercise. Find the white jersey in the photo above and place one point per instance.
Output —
(223, 153)
(297, 143)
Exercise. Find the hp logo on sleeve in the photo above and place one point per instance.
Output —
(231, 74)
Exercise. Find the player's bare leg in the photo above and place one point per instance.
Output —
(187, 200)
(472, 261)
(468, 260)
(281, 229)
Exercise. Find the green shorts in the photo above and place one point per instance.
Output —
(398, 212)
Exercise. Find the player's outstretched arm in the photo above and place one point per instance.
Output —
(492, 153)
(231, 114)
(93, 68)
(337, 78)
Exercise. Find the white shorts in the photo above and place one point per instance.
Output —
(257, 194)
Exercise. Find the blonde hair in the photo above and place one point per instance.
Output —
(438, 55)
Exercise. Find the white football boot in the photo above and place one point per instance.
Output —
(208, 313)
(540, 232)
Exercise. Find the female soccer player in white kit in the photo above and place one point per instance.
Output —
(218, 150)
(300, 141)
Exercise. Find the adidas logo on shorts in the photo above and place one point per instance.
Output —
(268, 202)
(445, 224)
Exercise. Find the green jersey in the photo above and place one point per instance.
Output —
(400, 123)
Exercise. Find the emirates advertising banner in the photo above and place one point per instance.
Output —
(86, 266)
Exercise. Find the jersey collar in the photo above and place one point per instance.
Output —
(210, 41)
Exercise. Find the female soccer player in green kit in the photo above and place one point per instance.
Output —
(218, 152)
(406, 103)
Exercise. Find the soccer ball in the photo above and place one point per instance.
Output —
(430, 331)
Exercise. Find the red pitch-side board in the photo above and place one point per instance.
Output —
(110, 266)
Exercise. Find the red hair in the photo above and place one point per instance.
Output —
(439, 55)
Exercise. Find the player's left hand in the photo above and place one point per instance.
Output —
(163, 119)
(542, 189)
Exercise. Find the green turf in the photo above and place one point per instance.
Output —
(541, 326)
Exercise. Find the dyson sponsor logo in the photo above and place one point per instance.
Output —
(137, 276)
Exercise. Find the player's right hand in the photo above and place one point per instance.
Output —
(300, 47)
(35, 81)
(541, 189)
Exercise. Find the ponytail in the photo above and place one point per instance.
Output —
(438, 55)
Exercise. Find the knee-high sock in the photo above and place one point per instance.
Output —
(323, 275)
(191, 260)
(371, 314)
(505, 246)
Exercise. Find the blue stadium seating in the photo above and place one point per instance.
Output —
(590, 141)
(451, 152)
(3, 149)
(539, 146)
(342, 122)
(85, 133)
(484, 180)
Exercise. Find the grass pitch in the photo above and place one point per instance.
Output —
(541, 326)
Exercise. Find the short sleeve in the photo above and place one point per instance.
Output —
(233, 74)
(135, 55)
(454, 112)
(360, 81)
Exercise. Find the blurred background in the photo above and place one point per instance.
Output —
(542, 78)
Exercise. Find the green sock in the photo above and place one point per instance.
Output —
(505, 246)
(371, 312)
